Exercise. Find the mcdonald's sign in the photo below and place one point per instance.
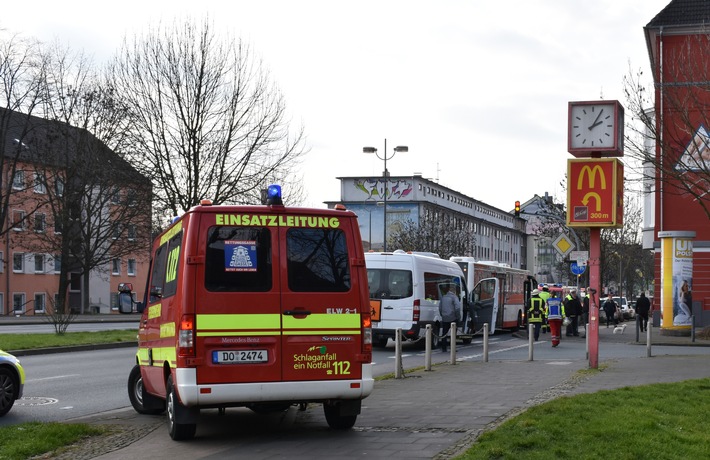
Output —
(595, 192)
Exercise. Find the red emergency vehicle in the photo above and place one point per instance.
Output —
(256, 306)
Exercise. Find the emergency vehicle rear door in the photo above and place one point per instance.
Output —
(320, 306)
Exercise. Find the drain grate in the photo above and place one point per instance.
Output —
(35, 401)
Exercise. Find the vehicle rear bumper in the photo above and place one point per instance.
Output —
(192, 394)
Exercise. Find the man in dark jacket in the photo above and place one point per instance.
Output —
(643, 306)
(573, 308)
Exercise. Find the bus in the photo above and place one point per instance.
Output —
(498, 294)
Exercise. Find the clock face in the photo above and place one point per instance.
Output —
(592, 126)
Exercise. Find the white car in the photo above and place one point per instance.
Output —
(626, 309)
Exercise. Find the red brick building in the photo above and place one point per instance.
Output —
(678, 41)
(34, 180)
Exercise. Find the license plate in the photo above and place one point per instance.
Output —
(240, 356)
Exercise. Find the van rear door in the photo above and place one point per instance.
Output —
(321, 306)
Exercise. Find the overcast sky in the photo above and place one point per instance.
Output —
(477, 90)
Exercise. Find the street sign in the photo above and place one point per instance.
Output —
(595, 192)
(577, 269)
(563, 245)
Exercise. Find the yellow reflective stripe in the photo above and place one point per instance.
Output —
(167, 330)
(154, 311)
(245, 321)
(160, 355)
(322, 321)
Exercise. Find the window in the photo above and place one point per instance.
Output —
(59, 186)
(57, 260)
(317, 260)
(131, 232)
(116, 267)
(18, 302)
(39, 183)
(40, 301)
(57, 227)
(116, 233)
(390, 284)
(132, 267)
(18, 220)
(18, 180)
(2, 269)
(39, 263)
(238, 259)
(115, 196)
(18, 262)
(40, 222)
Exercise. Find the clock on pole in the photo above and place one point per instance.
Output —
(596, 127)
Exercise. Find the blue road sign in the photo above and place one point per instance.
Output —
(577, 269)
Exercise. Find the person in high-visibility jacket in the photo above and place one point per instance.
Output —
(536, 312)
(555, 313)
(544, 295)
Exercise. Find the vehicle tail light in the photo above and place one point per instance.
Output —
(366, 334)
(186, 336)
(416, 311)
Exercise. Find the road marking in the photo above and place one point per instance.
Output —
(54, 377)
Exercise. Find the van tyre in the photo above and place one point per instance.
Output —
(381, 342)
(136, 393)
(178, 431)
(337, 421)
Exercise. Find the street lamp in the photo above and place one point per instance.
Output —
(385, 174)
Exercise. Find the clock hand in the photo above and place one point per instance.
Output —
(596, 120)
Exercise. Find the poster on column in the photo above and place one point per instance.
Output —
(677, 276)
(682, 282)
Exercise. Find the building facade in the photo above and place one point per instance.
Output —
(678, 228)
(46, 210)
(498, 235)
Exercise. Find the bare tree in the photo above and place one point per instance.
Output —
(205, 119)
(682, 107)
(442, 237)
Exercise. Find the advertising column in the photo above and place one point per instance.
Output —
(676, 282)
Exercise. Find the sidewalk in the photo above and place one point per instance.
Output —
(434, 414)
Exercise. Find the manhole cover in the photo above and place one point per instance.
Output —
(35, 401)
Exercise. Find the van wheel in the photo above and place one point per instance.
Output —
(135, 393)
(337, 421)
(178, 431)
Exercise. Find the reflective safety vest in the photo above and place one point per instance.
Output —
(555, 309)
(536, 312)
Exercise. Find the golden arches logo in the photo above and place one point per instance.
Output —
(591, 175)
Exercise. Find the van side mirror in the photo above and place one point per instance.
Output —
(125, 302)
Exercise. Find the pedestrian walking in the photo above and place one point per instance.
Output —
(573, 309)
(555, 313)
(544, 295)
(643, 306)
(610, 310)
(450, 310)
(536, 312)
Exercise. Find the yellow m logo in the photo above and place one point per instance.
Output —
(591, 174)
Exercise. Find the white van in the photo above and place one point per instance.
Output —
(405, 289)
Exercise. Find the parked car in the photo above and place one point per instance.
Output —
(626, 309)
(12, 381)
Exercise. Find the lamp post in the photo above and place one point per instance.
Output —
(385, 173)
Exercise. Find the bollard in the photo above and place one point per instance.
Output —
(692, 328)
(586, 340)
(485, 342)
(531, 332)
(648, 339)
(638, 326)
(398, 354)
(427, 349)
(452, 333)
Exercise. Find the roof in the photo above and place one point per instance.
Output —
(682, 13)
(32, 139)
(678, 17)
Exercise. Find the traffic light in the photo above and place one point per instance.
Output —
(517, 209)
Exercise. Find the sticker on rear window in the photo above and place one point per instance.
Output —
(239, 256)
